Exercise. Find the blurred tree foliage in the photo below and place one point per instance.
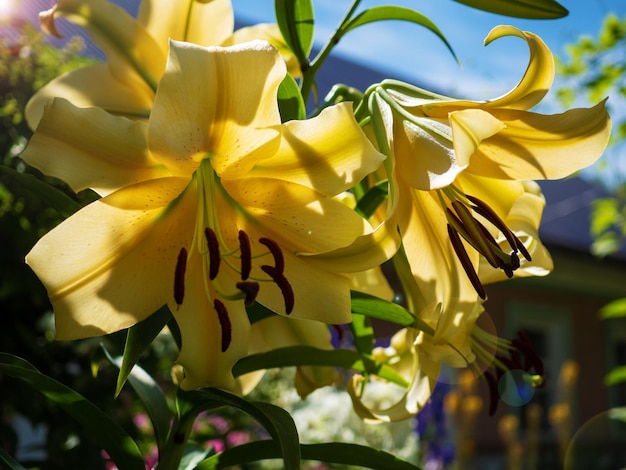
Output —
(594, 69)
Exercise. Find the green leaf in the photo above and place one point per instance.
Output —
(96, 423)
(278, 422)
(334, 452)
(363, 334)
(290, 100)
(390, 12)
(296, 22)
(530, 9)
(374, 307)
(615, 376)
(615, 309)
(310, 356)
(152, 397)
(373, 198)
(54, 197)
(138, 338)
(9, 462)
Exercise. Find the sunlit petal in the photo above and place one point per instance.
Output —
(92, 86)
(203, 23)
(328, 153)
(535, 146)
(112, 263)
(108, 153)
(132, 54)
(220, 102)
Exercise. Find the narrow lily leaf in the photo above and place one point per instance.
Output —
(151, 396)
(9, 462)
(391, 12)
(309, 356)
(296, 22)
(373, 198)
(374, 307)
(138, 338)
(616, 376)
(122, 449)
(54, 197)
(277, 422)
(615, 309)
(530, 9)
(334, 452)
(363, 334)
(290, 100)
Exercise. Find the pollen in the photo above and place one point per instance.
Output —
(246, 255)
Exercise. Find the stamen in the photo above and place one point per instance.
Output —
(489, 214)
(279, 261)
(227, 329)
(281, 281)
(475, 232)
(246, 255)
(179, 276)
(520, 246)
(214, 252)
(251, 289)
(459, 249)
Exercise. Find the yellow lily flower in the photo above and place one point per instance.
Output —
(440, 146)
(406, 356)
(460, 168)
(210, 204)
(137, 49)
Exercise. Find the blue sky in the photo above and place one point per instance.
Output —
(414, 53)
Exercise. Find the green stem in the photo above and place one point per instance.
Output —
(308, 76)
(171, 455)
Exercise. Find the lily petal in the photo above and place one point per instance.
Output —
(92, 86)
(132, 54)
(271, 34)
(535, 146)
(539, 74)
(202, 353)
(203, 23)
(424, 374)
(112, 263)
(220, 102)
(329, 153)
(108, 153)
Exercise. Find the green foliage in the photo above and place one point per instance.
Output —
(531, 9)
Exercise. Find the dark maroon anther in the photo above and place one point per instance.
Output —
(179, 276)
(213, 246)
(489, 214)
(459, 249)
(250, 289)
(521, 248)
(279, 261)
(226, 326)
(246, 255)
(284, 286)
